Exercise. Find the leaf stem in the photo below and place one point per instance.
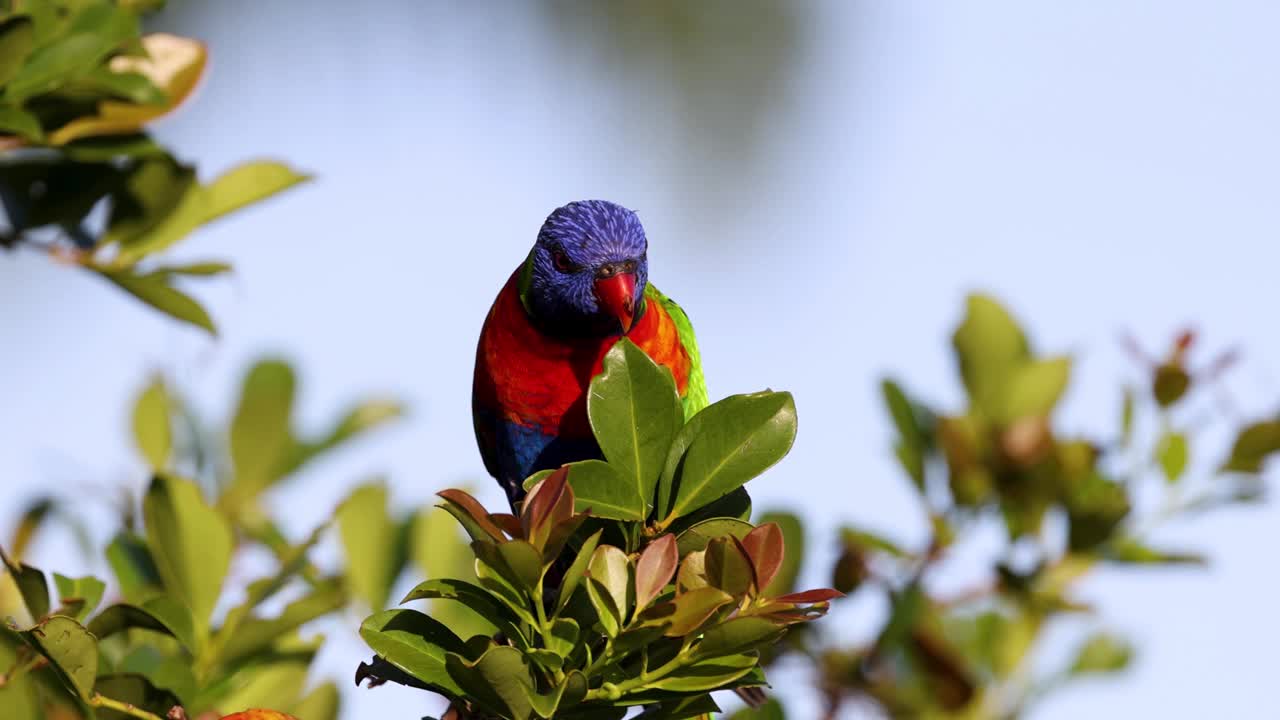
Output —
(130, 709)
(611, 692)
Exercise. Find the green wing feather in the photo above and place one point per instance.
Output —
(695, 397)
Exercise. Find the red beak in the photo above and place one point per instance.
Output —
(616, 294)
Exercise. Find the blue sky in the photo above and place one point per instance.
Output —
(1101, 167)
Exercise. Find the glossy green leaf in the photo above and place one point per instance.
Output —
(71, 649)
(729, 568)
(134, 568)
(493, 574)
(415, 643)
(155, 290)
(17, 40)
(260, 434)
(1034, 388)
(739, 635)
(567, 693)
(16, 121)
(736, 506)
(32, 586)
(688, 611)
(370, 540)
(697, 537)
(160, 614)
(610, 567)
(989, 347)
(525, 563)
(766, 548)
(635, 412)
(655, 569)
(784, 580)
(467, 594)
(1102, 653)
(681, 708)
(190, 542)
(1253, 446)
(152, 432)
(136, 690)
(573, 576)
(707, 675)
(1172, 453)
(563, 637)
(724, 446)
(87, 590)
(771, 710)
(604, 491)
(499, 681)
(608, 614)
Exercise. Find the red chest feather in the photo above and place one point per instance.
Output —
(535, 380)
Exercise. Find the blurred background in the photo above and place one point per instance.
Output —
(821, 183)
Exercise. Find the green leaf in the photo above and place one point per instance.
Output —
(90, 40)
(729, 568)
(681, 708)
(1127, 411)
(867, 540)
(1172, 454)
(478, 599)
(1131, 550)
(600, 488)
(1169, 384)
(357, 421)
(152, 191)
(793, 535)
(134, 568)
(17, 121)
(369, 540)
(688, 611)
(155, 290)
(610, 568)
(739, 635)
(160, 614)
(1034, 388)
(524, 561)
(635, 412)
(260, 430)
(136, 690)
(1102, 653)
(493, 574)
(563, 637)
(440, 552)
(568, 693)
(322, 703)
(272, 679)
(724, 446)
(734, 506)
(243, 185)
(88, 590)
(31, 586)
(151, 425)
(707, 675)
(17, 39)
(70, 649)
(499, 681)
(1253, 446)
(771, 710)
(700, 535)
(414, 643)
(191, 543)
(255, 634)
(989, 348)
(608, 614)
(573, 576)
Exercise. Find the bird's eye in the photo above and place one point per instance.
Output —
(562, 261)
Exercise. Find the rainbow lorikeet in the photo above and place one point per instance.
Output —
(584, 286)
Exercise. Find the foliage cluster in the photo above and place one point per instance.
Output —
(80, 178)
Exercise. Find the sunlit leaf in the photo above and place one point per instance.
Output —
(159, 614)
(707, 675)
(71, 649)
(190, 542)
(1034, 388)
(766, 549)
(610, 568)
(17, 39)
(655, 569)
(134, 567)
(724, 446)
(87, 590)
(155, 290)
(260, 432)
(371, 541)
(739, 635)
(414, 643)
(793, 536)
(1102, 653)
(31, 585)
(697, 537)
(607, 493)
(635, 412)
(322, 703)
(1172, 453)
(499, 680)
(151, 429)
(729, 567)
(989, 347)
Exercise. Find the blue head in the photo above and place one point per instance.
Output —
(588, 270)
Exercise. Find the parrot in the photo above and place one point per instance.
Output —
(583, 286)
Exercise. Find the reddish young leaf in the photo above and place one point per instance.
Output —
(460, 501)
(509, 524)
(766, 548)
(810, 596)
(546, 499)
(689, 611)
(655, 568)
